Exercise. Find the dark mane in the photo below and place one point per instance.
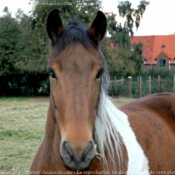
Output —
(74, 32)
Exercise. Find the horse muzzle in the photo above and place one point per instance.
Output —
(77, 159)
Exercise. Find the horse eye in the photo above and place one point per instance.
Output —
(99, 74)
(51, 73)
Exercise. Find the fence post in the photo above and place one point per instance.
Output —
(168, 86)
(130, 86)
(113, 86)
(140, 87)
(149, 85)
(159, 84)
(122, 82)
(174, 85)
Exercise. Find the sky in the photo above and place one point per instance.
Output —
(158, 19)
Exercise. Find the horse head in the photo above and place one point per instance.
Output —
(76, 71)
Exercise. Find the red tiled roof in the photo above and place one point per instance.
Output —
(152, 46)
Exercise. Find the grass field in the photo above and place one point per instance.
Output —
(22, 125)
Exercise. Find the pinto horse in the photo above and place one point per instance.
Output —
(85, 133)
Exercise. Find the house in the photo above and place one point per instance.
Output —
(158, 51)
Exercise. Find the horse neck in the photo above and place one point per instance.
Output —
(52, 135)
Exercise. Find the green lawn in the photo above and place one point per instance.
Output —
(22, 124)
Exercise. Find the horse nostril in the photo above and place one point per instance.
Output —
(67, 151)
(75, 160)
(89, 151)
(68, 148)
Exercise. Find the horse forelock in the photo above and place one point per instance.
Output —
(74, 32)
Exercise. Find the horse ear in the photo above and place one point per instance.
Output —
(54, 25)
(98, 27)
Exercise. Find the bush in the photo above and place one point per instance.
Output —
(24, 84)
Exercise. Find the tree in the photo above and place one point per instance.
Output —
(24, 44)
(10, 35)
(127, 62)
(119, 35)
(35, 35)
(32, 57)
(117, 59)
(137, 57)
(132, 15)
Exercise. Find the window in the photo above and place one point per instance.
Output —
(162, 63)
(163, 46)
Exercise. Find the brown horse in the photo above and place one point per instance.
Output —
(85, 133)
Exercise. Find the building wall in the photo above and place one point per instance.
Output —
(162, 63)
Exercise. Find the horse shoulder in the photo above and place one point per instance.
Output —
(152, 119)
